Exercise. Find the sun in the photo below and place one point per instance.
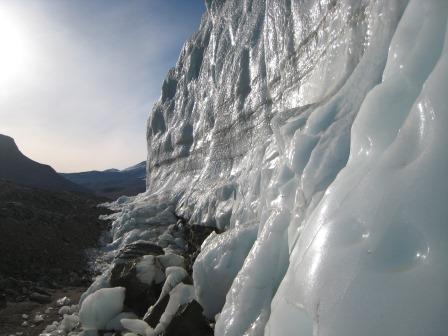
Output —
(15, 53)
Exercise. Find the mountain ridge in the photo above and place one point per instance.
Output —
(112, 183)
(18, 168)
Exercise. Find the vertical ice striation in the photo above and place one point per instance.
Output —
(313, 132)
(370, 259)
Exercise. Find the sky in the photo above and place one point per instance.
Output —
(78, 78)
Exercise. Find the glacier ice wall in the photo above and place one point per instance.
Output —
(319, 123)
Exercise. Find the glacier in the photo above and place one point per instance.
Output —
(313, 133)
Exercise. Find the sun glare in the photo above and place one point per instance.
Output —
(15, 54)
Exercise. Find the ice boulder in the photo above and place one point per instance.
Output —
(138, 327)
(142, 276)
(100, 307)
(115, 323)
(218, 263)
(174, 275)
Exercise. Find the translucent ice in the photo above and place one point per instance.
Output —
(100, 307)
(217, 265)
(314, 133)
(370, 259)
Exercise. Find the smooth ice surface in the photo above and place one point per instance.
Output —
(151, 268)
(217, 265)
(314, 133)
(179, 296)
(115, 323)
(100, 307)
(371, 257)
(138, 327)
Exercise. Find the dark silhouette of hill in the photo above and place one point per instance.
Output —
(113, 183)
(16, 167)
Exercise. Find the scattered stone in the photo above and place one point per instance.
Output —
(11, 293)
(3, 303)
(38, 318)
(42, 291)
(75, 279)
(64, 301)
(40, 298)
(25, 316)
(69, 323)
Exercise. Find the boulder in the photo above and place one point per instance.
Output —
(139, 295)
(195, 236)
(138, 249)
(2, 301)
(157, 311)
(40, 298)
(189, 321)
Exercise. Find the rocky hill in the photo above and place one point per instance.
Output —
(16, 167)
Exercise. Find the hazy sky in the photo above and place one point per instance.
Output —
(78, 78)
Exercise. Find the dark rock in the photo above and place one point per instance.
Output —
(41, 291)
(188, 280)
(138, 249)
(139, 296)
(157, 311)
(2, 301)
(195, 236)
(10, 283)
(189, 321)
(11, 293)
(75, 279)
(40, 298)
(54, 285)
(56, 271)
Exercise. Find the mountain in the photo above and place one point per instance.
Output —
(313, 132)
(112, 183)
(16, 167)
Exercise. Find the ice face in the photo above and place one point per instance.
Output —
(370, 258)
(216, 267)
(313, 132)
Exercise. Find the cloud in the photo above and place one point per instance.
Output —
(97, 69)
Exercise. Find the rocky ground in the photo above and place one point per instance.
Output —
(155, 280)
(29, 318)
(43, 239)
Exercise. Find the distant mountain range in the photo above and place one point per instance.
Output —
(112, 183)
(17, 168)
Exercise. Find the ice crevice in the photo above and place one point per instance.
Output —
(313, 134)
